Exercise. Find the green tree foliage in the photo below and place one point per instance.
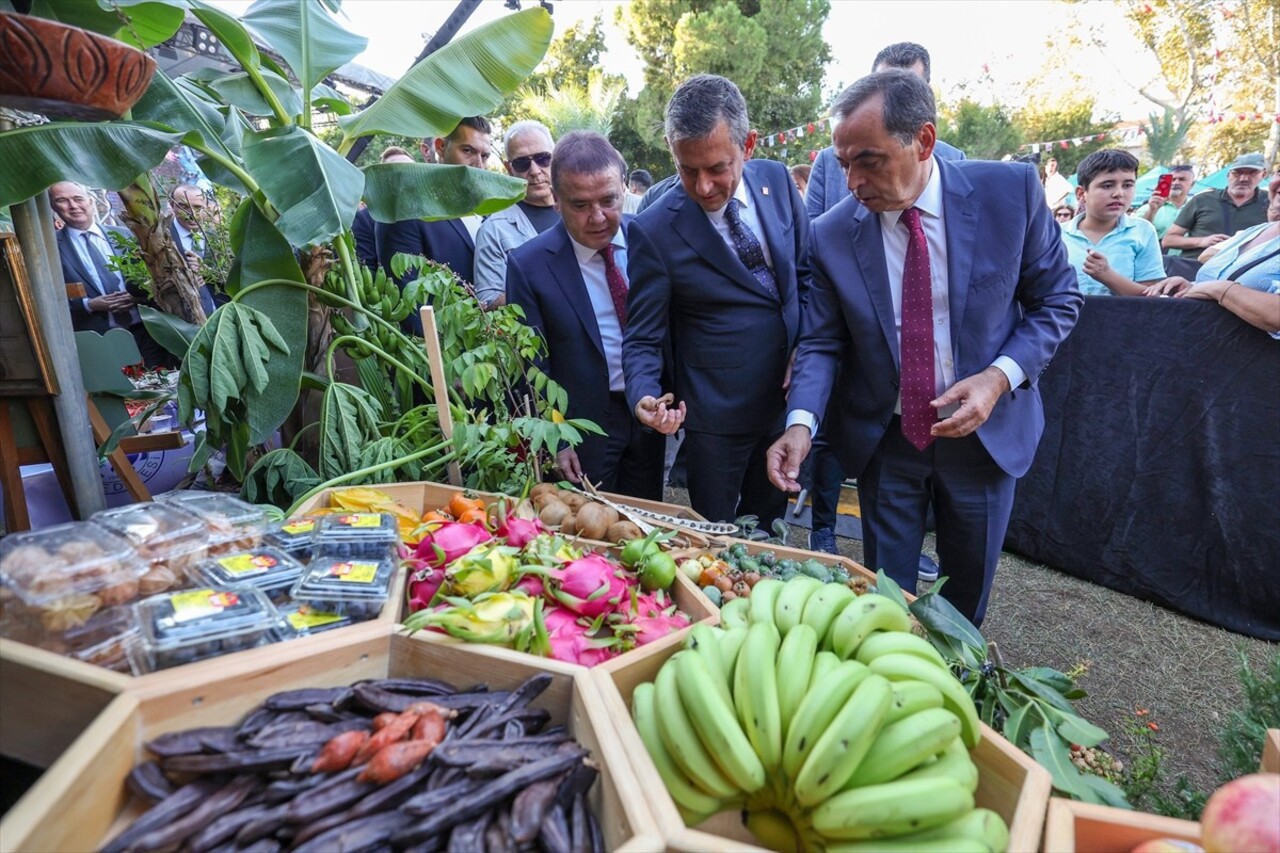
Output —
(1068, 119)
(1165, 137)
(982, 132)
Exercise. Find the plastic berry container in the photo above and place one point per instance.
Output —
(171, 540)
(56, 579)
(296, 537)
(356, 588)
(302, 620)
(233, 524)
(268, 569)
(182, 627)
(358, 535)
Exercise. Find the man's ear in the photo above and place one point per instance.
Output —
(927, 137)
(1079, 196)
(749, 146)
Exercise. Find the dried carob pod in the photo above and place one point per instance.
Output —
(176, 831)
(468, 836)
(223, 829)
(148, 781)
(298, 700)
(530, 807)
(555, 836)
(255, 759)
(357, 835)
(170, 808)
(334, 795)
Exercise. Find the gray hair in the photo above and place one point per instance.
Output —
(903, 54)
(520, 128)
(585, 152)
(908, 102)
(700, 104)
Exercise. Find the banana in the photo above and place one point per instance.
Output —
(978, 830)
(953, 762)
(824, 664)
(705, 641)
(911, 697)
(755, 693)
(762, 598)
(774, 830)
(796, 658)
(733, 614)
(789, 606)
(904, 745)
(818, 708)
(730, 645)
(715, 722)
(682, 742)
(685, 793)
(898, 642)
(824, 606)
(692, 818)
(866, 613)
(891, 809)
(913, 844)
(845, 743)
(900, 667)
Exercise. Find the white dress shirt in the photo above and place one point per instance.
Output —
(472, 223)
(895, 237)
(103, 245)
(749, 216)
(187, 238)
(591, 262)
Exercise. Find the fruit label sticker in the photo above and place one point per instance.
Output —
(201, 603)
(294, 528)
(355, 572)
(306, 619)
(362, 519)
(248, 565)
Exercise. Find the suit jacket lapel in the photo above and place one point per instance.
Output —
(694, 228)
(563, 263)
(77, 271)
(868, 249)
(767, 215)
(463, 232)
(962, 228)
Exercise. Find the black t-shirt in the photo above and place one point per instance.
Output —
(541, 218)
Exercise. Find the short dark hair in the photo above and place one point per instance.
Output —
(585, 152)
(1182, 167)
(477, 123)
(1105, 160)
(641, 177)
(908, 102)
(700, 103)
(801, 170)
(903, 55)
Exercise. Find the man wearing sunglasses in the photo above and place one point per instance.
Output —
(528, 146)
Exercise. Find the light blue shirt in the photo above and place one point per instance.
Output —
(1131, 248)
(1229, 257)
(591, 263)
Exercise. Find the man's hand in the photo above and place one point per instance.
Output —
(1171, 286)
(977, 396)
(117, 301)
(570, 467)
(1096, 265)
(1155, 203)
(654, 412)
(1212, 240)
(784, 457)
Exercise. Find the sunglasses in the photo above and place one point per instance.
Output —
(1063, 214)
(523, 164)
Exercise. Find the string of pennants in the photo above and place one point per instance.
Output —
(782, 137)
(1129, 135)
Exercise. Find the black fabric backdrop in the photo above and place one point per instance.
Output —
(1159, 471)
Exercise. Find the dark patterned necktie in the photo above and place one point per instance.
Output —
(109, 281)
(617, 284)
(749, 250)
(916, 350)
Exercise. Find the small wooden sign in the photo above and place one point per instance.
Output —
(25, 368)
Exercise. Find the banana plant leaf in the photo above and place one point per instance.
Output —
(107, 155)
(150, 23)
(315, 190)
(312, 43)
(172, 333)
(331, 99)
(397, 191)
(230, 32)
(240, 91)
(469, 76)
(183, 107)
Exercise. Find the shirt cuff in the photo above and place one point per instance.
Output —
(1010, 369)
(800, 416)
(85, 303)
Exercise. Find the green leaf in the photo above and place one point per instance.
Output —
(234, 37)
(348, 421)
(1075, 729)
(149, 24)
(279, 478)
(889, 588)
(1041, 691)
(329, 98)
(180, 105)
(172, 333)
(376, 453)
(398, 191)
(1106, 792)
(1052, 754)
(315, 190)
(469, 76)
(937, 614)
(1049, 677)
(242, 92)
(311, 42)
(107, 155)
(1018, 726)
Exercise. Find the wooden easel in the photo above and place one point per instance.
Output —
(13, 456)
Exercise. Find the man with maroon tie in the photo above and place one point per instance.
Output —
(571, 282)
(940, 293)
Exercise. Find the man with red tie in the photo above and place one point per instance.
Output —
(939, 297)
(571, 282)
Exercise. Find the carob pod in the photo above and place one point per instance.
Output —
(219, 803)
(321, 826)
(256, 759)
(466, 753)
(264, 825)
(178, 803)
(393, 794)
(257, 720)
(437, 798)
(428, 845)
(378, 700)
(285, 789)
(148, 781)
(180, 743)
(413, 686)
(356, 835)
(335, 795)
(499, 763)
(555, 834)
(330, 714)
(298, 700)
(518, 698)
(220, 739)
(468, 836)
(223, 829)
(579, 826)
(597, 836)
(306, 733)
(533, 719)
(578, 781)
(497, 839)
(262, 845)
(529, 808)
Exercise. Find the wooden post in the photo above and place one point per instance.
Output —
(436, 362)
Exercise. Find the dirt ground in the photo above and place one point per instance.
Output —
(1136, 654)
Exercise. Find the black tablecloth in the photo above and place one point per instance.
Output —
(1159, 471)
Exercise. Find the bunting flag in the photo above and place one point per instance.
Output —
(781, 138)
(1129, 135)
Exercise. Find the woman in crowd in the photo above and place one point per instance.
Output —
(1063, 213)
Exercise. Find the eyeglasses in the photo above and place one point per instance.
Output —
(521, 165)
(1063, 214)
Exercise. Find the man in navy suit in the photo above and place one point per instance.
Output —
(447, 241)
(940, 293)
(717, 265)
(571, 282)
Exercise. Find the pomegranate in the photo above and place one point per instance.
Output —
(1243, 815)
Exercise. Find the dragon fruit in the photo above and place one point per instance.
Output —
(568, 639)
(518, 532)
(450, 541)
(589, 586)
(548, 549)
(531, 584)
(422, 588)
(502, 618)
(485, 568)
(650, 617)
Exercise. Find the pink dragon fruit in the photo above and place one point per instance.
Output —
(517, 531)
(650, 617)
(589, 586)
(450, 541)
(422, 588)
(531, 584)
(569, 639)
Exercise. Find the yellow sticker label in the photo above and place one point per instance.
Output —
(198, 603)
(306, 618)
(305, 525)
(362, 519)
(355, 572)
(248, 564)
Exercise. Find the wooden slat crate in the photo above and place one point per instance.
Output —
(1073, 827)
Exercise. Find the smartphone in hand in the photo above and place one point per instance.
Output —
(1164, 184)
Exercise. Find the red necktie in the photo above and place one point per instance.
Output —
(617, 284)
(917, 337)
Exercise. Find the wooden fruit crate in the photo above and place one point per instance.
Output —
(1010, 782)
(88, 781)
(854, 568)
(1073, 827)
(1271, 752)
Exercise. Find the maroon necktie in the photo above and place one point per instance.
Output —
(917, 337)
(617, 284)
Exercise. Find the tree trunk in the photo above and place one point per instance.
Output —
(315, 265)
(175, 285)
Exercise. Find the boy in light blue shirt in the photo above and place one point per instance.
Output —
(1112, 252)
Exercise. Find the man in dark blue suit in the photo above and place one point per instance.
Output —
(447, 241)
(717, 265)
(937, 302)
(571, 283)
